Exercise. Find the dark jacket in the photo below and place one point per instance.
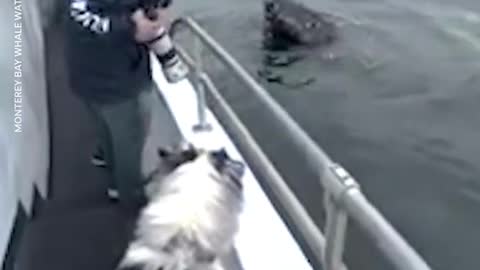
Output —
(105, 63)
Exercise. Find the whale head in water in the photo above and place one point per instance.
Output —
(288, 23)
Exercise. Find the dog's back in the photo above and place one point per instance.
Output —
(191, 219)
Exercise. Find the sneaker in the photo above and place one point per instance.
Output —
(175, 70)
(98, 161)
(113, 194)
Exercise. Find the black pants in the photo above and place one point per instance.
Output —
(130, 133)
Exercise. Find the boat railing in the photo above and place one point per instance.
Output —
(343, 198)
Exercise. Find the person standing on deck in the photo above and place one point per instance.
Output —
(107, 45)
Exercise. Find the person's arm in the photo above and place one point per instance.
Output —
(135, 25)
(118, 25)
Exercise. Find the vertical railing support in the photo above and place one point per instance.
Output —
(335, 232)
(336, 217)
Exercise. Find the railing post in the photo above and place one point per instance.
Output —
(202, 124)
(336, 220)
(335, 231)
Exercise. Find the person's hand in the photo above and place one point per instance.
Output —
(161, 15)
(147, 29)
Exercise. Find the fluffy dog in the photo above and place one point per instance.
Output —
(192, 214)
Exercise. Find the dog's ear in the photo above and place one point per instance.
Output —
(183, 146)
(179, 155)
(177, 150)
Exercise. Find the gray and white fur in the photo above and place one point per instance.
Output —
(192, 214)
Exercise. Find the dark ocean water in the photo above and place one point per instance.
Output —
(399, 108)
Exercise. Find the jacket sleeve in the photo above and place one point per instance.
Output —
(113, 25)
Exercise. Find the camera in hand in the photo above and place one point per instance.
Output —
(173, 66)
(152, 4)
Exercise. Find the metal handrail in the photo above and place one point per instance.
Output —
(343, 195)
(264, 169)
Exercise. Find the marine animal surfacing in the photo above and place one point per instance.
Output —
(288, 23)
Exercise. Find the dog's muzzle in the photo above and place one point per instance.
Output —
(232, 168)
(235, 171)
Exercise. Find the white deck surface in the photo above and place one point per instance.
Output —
(264, 242)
